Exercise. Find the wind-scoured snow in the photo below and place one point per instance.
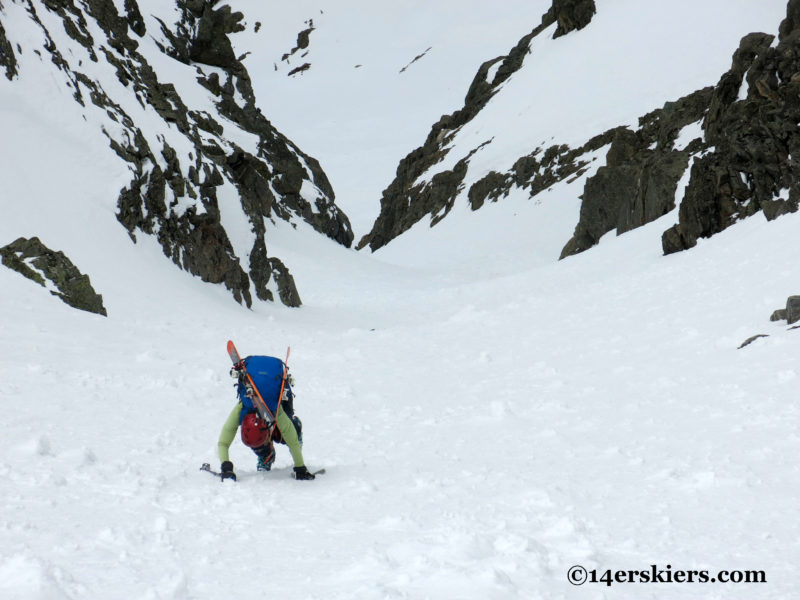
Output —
(488, 416)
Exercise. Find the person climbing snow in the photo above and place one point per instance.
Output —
(273, 385)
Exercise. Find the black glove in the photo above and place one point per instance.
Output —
(302, 473)
(226, 471)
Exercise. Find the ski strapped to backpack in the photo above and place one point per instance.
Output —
(252, 390)
(283, 379)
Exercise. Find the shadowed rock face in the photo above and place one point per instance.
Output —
(639, 181)
(173, 196)
(571, 15)
(7, 59)
(37, 262)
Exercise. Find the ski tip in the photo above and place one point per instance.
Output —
(233, 352)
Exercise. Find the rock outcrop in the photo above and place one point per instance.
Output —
(7, 59)
(184, 170)
(52, 270)
(409, 198)
(752, 127)
(571, 15)
(791, 313)
(639, 180)
(636, 185)
(740, 164)
(729, 147)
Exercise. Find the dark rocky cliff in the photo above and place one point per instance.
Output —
(737, 158)
(52, 269)
(174, 194)
(741, 163)
(752, 129)
(639, 180)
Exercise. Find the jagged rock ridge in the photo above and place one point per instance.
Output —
(636, 185)
(732, 142)
(49, 268)
(751, 125)
(409, 198)
(739, 163)
(175, 195)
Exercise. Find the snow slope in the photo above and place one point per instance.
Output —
(135, 161)
(488, 417)
(354, 106)
(360, 122)
(481, 434)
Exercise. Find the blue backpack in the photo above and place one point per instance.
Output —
(267, 373)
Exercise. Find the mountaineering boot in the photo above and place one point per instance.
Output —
(265, 464)
(266, 456)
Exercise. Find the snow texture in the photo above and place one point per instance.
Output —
(488, 417)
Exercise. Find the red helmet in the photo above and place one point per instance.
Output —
(254, 430)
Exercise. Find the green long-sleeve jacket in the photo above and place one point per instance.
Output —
(285, 426)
